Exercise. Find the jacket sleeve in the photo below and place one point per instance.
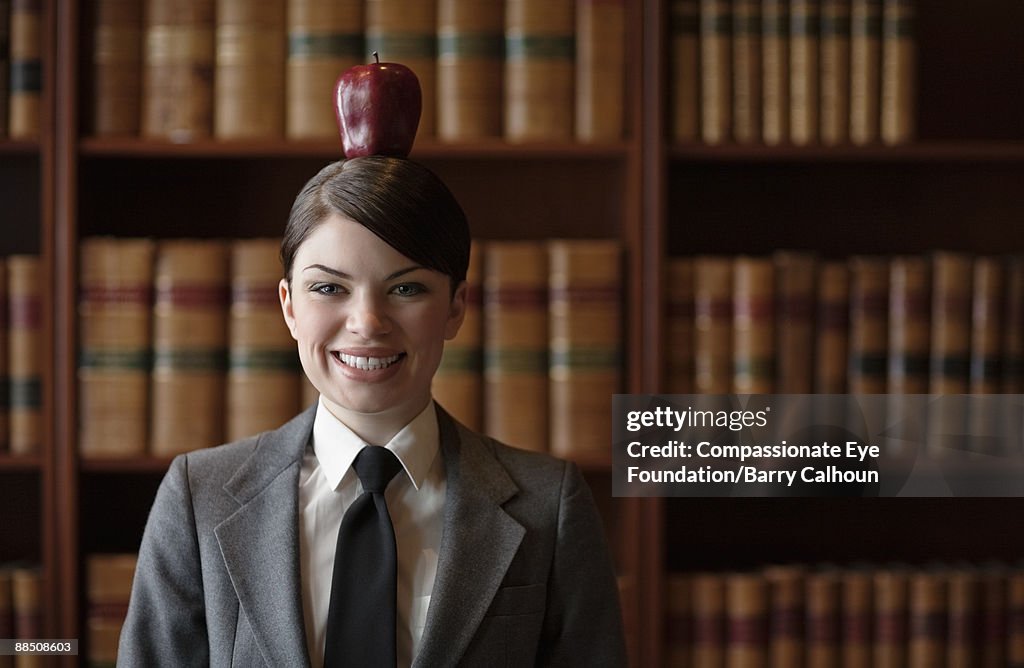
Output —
(166, 623)
(583, 622)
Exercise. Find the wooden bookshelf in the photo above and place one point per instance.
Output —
(955, 187)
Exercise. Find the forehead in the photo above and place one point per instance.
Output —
(341, 243)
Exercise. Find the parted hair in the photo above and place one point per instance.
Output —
(399, 200)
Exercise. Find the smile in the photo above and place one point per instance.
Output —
(367, 363)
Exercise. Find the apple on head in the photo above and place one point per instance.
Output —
(378, 109)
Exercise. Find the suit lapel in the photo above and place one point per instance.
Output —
(479, 540)
(260, 542)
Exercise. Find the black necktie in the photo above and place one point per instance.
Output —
(361, 617)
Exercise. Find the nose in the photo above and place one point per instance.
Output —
(367, 317)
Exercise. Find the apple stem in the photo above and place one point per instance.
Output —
(376, 57)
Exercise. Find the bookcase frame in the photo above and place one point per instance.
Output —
(661, 196)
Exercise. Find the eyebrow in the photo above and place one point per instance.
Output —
(341, 274)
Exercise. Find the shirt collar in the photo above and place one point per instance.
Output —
(336, 446)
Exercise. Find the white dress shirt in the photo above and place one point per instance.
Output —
(328, 485)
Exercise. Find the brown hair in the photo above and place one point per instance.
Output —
(401, 201)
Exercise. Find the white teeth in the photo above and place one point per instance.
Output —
(368, 363)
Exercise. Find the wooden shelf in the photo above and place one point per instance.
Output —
(919, 152)
(20, 463)
(126, 465)
(19, 147)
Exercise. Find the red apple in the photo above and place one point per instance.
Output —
(378, 109)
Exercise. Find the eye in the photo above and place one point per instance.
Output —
(325, 288)
(409, 289)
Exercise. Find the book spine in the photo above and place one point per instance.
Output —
(678, 631)
(804, 25)
(5, 377)
(26, 79)
(835, 71)
(24, 277)
(927, 625)
(117, 68)
(470, 61)
(516, 343)
(115, 337)
(26, 602)
(823, 619)
(405, 31)
(994, 615)
(899, 65)
(189, 346)
(963, 625)
(249, 77)
(889, 632)
(909, 325)
(600, 70)
(786, 615)
(709, 619)
(1015, 618)
(716, 70)
(108, 589)
(6, 611)
(712, 306)
(539, 70)
(986, 327)
(5, 65)
(458, 384)
(753, 325)
(585, 344)
(865, 70)
(1013, 333)
(325, 38)
(775, 71)
(856, 604)
(746, 603)
(869, 330)
(746, 71)
(831, 350)
(178, 69)
(794, 308)
(680, 325)
(951, 323)
(685, 70)
(263, 383)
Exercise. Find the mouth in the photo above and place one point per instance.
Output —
(366, 363)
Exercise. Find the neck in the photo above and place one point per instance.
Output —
(378, 428)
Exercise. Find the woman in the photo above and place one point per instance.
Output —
(499, 556)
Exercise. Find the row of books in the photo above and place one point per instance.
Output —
(21, 74)
(234, 69)
(21, 611)
(826, 617)
(795, 323)
(182, 345)
(797, 71)
(21, 355)
(108, 591)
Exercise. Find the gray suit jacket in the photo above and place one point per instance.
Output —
(523, 577)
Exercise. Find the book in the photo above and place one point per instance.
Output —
(786, 615)
(746, 71)
(1013, 318)
(856, 613)
(600, 70)
(458, 384)
(108, 590)
(5, 65)
(115, 310)
(27, 608)
(678, 631)
(709, 620)
(832, 315)
(679, 323)
(189, 345)
(684, 67)
(6, 611)
(804, 27)
(178, 69)
(716, 70)
(713, 309)
(898, 123)
(986, 337)
(405, 31)
(539, 70)
(890, 631)
(325, 38)
(869, 328)
(25, 353)
(585, 344)
(249, 78)
(753, 325)
(775, 71)
(909, 325)
(865, 70)
(993, 614)
(515, 343)
(835, 71)
(927, 620)
(963, 629)
(263, 381)
(794, 320)
(5, 380)
(950, 348)
(1015, 616)
(470, 61)
(746, 606)
(116, 68)
(26, 74)
(824, 611)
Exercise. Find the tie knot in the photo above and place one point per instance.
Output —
(376, 466)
